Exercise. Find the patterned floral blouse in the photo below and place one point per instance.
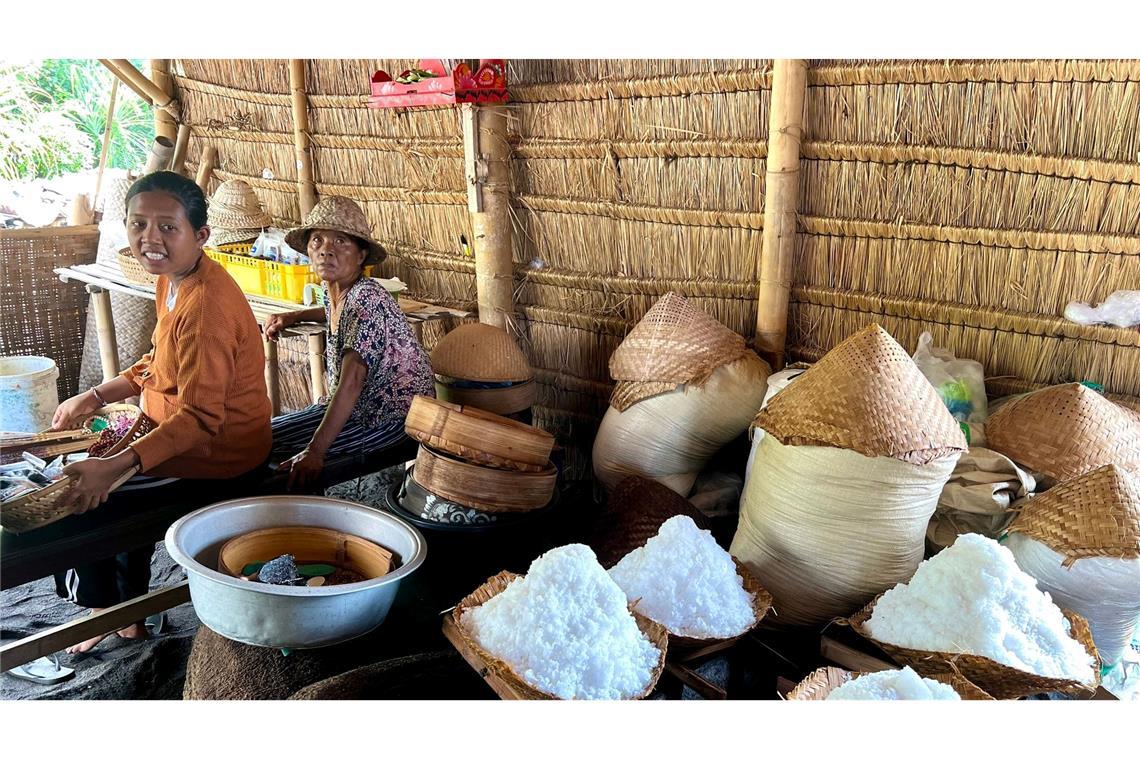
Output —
(372, 325)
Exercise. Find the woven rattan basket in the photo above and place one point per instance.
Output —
(478, 436)
(1065, 431)
(509, 399)
(133, 270)
(485, 488)
(656, 634)
(866, 395)
(47, 445)
(820, 683)
(999, 681)
(475, 351)
(47, 505)
(1094, 515)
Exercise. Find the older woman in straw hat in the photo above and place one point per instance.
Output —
(375, 364)
(235, 215)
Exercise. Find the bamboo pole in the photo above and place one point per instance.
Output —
(105, 328)
(306, 187)
(206, 168)
(781, 203)
(152, 92)
(161, 151)
(106, 140)
(178, 162)
(489, 153)
(110, 66)
(164, 123)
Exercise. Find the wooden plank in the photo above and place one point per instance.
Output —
(694, 681)
(108, 621)
(849, 658)
(703, 652)
(498, 685)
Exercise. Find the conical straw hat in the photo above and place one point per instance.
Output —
(1064, 431)
(1094, 515)
(868, 396)
(235, 206)
(485, 353)
(674, 343)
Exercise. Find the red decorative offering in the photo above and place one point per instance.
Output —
(487, 84)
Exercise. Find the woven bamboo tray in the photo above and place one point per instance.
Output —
(133, 270)
(507, 400)
(484, 488)
(479, 436)
(45, 506)
(820, 683)
(47, 445)
(761, 604)
(498, 674)
(1000, 681)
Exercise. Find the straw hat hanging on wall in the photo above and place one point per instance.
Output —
(235, 214)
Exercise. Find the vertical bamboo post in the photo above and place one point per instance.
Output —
(306, 187)
(164, 124)
(206, 168)
(106, 139)
(178, 163)
(272, 375)
(105, 327)
(488, 158)
(161, 151)
(317, 365)
(781, 203)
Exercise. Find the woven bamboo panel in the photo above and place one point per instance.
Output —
(39, 314)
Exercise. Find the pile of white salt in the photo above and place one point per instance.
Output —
(973, 598)
(893, 684)
(566, 630)
(684, 580)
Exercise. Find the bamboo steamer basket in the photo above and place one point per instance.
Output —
(761, 604)
(509, 399)
(998, 680)
(133, 270)
(307, 544)
(484, 488)
(655, 632)
(478, 436)
(820, 683)
(46, 506)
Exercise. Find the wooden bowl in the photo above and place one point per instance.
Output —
(308, 545)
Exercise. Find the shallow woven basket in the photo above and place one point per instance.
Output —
(45, 506)
(477, 351)
(634, 513)
(479, 436)
(1000, 681)
(1094, 515)
(133, 270)
(485, 488)
(1065, 431)
(820, 683)
(47, 445)
(508, 400)
(865, 395)
(761, 603)
(655, 632)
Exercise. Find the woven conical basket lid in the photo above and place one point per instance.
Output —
(674, 343)
(868, 396)
(1094, 515)
(1065, 431)
(475, 351)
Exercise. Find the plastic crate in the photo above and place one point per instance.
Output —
(286, 282)
(248, 272)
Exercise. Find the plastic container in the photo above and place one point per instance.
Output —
(248, 272)
(28, 393)
(286, 282)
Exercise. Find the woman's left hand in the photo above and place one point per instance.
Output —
(305, 468)
(92, 480)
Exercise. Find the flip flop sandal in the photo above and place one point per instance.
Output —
(156, 624)
(45, 670)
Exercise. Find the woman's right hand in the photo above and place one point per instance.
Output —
(278, 322)
(69, 413)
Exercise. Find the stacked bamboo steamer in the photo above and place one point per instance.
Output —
(483, 462)
(479, 365)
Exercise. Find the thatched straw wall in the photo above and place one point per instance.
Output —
(973, 199)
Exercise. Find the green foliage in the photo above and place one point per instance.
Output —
(36, 139)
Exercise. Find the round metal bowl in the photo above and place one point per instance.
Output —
(294, 617)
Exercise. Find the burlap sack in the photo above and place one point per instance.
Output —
(978, 497)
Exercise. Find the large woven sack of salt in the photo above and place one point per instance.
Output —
(686, 386)
(1081, 542)
(845, 480)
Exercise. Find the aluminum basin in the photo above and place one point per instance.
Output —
(295, 617)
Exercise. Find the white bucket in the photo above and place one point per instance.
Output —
(28, 395)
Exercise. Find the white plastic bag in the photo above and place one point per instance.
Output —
(1121, 309)
(960, 382)
(271, 246)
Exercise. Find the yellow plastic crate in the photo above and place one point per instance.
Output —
(286, 282)
(248, 272)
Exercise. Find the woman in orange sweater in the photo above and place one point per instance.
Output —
(203, 383)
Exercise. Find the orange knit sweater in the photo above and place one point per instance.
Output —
(204, 382)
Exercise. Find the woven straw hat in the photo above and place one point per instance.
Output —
(1094, 515)
(865, 395)
(1064, 431)
(340, 214)
(674, 343)
(485, 353)
(235, 214)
